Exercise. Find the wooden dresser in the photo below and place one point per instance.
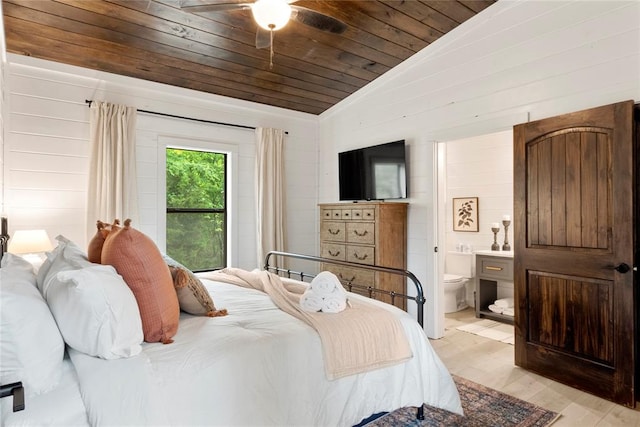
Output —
(373, 233)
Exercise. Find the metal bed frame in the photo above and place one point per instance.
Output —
(371, 291)
(13, 390)
(4, 240)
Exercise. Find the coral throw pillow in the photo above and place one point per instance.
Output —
(139, 261)
(94, 251)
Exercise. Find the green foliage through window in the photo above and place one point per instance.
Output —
(196, 208)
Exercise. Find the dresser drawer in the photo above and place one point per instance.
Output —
(368, 214)
(495, 268)
(337, 214)
(334, 214)
(333, 251)
(355, 276)
(361, 254)
(361, 232)
(347, 214)
(326, 214)
(333, 231)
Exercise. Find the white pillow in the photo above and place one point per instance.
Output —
(31, 348)
(20, 267)
(66, 256)
(50, 257)
(96, 311)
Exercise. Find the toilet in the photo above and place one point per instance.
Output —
(458, 271)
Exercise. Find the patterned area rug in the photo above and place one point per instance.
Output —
(483, 407)
(490, 329)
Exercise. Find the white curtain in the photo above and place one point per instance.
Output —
(113, 186)
(270, 187)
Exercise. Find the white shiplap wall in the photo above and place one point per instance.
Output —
(515, 61)
(47, 150)
(3, 68)
(2, 124)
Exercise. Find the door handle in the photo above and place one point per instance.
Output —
(621, 268)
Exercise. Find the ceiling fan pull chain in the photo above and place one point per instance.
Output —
(271, 48)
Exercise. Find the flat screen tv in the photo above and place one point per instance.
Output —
(373, 173)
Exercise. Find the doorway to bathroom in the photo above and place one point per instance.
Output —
(477, 169)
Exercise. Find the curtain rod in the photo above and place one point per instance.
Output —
(88, 102)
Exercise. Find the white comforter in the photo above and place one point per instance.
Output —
(256, 366)
(60, 407)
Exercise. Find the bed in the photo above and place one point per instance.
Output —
(258, 365)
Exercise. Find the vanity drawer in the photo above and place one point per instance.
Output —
(361, 232)
(361, 254)
(495, 268)
(333, 231)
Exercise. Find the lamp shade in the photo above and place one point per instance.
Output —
(271, 14)
(29, 242)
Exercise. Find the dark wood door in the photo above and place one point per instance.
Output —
(573, 225)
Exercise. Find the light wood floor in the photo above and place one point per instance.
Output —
(490, 362)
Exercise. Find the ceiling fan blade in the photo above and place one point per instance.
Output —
(317, 20)
(216, 7)
(263, 38)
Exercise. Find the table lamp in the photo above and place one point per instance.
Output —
(30, 244)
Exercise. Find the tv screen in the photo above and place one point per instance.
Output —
(373, 173)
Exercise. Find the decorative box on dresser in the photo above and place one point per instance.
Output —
(373, 233)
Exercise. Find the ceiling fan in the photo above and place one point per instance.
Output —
(272, 15)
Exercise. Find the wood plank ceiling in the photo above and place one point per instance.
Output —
(215, 52)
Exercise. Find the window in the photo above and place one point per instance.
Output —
(196, 208)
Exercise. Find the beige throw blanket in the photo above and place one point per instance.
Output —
(361, 338)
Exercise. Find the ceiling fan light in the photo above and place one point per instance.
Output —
(271, 14)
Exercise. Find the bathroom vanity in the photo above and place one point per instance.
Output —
(491, 268)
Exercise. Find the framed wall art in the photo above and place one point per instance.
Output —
(465, 214)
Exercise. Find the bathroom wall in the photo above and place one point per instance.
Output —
(480, 167)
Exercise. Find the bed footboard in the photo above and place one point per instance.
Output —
(418, 298)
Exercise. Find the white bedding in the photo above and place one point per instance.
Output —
(61, 406)
(256, 366)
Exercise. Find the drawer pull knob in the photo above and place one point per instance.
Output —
(334, 254)
(334, 232)
(361, 258)
(359, 234)
(493, 268)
